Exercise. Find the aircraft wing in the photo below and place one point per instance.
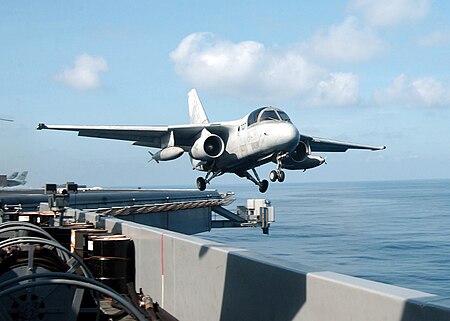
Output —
(150, 136)
(328, 145)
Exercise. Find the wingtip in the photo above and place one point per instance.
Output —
(41, 126)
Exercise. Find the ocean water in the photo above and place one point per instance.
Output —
(393, 232)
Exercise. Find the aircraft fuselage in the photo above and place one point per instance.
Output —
(252, 145)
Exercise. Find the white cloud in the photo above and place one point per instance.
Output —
(288, 73)
(85, 73)
(249, 69)
(386, 13)
(348, 42)
(339, 89)
(207, 61)
(425, 91)
(434, 38)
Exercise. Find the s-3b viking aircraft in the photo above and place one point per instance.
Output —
(265, 135)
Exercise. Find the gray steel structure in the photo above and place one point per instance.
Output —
(196, 279)
(184, 211)
(30, 199)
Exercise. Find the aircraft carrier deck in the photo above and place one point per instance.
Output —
(131, 250)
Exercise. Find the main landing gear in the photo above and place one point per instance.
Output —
(262, 184)
(201, 182)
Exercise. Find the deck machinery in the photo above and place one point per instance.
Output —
(53, 267)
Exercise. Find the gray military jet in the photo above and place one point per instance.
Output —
(265, 135)
(14, 179)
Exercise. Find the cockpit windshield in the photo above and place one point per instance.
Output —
(267, 113)
(284, 116)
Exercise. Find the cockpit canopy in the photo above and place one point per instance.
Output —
(267, 113)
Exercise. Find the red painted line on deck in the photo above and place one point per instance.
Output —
(162, 254)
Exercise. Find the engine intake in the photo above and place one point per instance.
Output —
(300, 152)
(207, 147)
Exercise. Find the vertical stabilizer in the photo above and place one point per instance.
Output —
(22, 176)
(13, 175)
(197, 114)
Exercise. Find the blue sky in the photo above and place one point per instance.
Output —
(365, 71)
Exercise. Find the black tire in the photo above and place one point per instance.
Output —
(273, 176)
(263, 186)
(281, 176)
(201, 184)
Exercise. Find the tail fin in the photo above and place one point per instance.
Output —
(13, 175)
(197, 114)
(22, 176)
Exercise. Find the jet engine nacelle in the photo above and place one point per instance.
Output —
(301, 158)
(300, 152)
(207, 147)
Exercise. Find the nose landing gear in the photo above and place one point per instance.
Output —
(278, 174)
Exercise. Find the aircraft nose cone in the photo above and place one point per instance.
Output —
(289, 135)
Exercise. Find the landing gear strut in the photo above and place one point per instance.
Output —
(262, 184)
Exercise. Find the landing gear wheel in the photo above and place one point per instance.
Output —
(281, 176)
(201, 184)
(273, 176)
(263, 186)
